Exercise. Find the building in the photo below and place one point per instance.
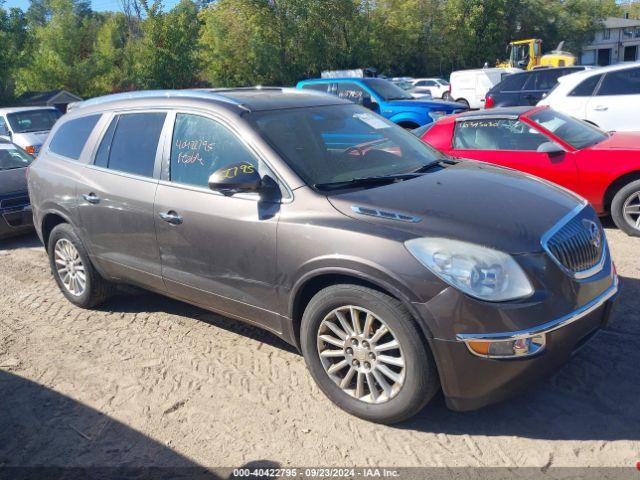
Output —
(618, 41)
(56, 98)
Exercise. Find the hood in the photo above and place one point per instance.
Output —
(13, 181)
(620, 140)
(470, 201)
(30, 138)
(430, 104)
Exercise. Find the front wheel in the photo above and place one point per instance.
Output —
(366, 354)
(625, 209)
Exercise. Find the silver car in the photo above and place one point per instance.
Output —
(28, 127)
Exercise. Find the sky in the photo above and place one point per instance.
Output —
(97, 5)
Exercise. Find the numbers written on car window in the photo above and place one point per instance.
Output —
(202, 146)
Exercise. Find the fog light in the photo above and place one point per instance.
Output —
(520, 347)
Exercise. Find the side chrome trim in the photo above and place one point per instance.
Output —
(548, 326)
(553, 230)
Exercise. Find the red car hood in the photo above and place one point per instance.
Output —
(620, 140)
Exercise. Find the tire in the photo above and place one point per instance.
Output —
(463, 102)
(62, 242)
(625, 209)
(408, 125)
(446, 96)
(419, 380)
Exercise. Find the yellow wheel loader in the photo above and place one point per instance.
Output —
(527, 54)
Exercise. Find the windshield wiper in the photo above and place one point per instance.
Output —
(436, 163)
(364, 181)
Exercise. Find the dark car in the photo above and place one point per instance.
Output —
(395, 269)
(526, 88)
(15, 209)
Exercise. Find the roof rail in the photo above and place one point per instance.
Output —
(203, 94)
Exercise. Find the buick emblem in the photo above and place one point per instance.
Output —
(595, 236)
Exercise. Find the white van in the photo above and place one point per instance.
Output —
(470, 86)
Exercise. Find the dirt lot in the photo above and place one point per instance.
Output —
(149, 381)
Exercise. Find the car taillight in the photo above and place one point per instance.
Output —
(30, 149)
(488, 101)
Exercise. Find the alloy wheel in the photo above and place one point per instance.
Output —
(69, 267)
(361, 354)
(631, 210)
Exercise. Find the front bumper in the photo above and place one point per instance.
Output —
(14, 221)
(470, 381)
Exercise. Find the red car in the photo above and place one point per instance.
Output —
(602, 167)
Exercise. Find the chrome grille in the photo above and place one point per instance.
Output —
(577, 243)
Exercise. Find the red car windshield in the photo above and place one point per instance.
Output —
(574, 132)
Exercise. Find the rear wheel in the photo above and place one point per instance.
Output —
(73, 271)
(463, 102)
(366, 354)
(625, 209)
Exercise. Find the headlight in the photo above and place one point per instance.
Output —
(480, 272)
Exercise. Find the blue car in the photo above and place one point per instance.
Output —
(385, 98)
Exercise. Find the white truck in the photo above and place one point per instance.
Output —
(469, 87)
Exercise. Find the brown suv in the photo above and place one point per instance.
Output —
(396, 270)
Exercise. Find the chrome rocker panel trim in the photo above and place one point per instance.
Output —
(549, 326)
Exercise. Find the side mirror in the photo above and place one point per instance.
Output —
(366, 102)
(236, 178)
(551, 148)
(244, 178)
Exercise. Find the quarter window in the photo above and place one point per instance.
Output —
(586, 88)
(201, 146)
(622, 82)
(70, 138)
(131, 142)
(496, 134)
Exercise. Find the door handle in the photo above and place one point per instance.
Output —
(91, 198)
(171, 217)
(600, 108)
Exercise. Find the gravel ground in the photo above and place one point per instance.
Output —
(145, 380)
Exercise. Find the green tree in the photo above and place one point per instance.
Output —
(167, 53)
(61, 56)
(14, 41)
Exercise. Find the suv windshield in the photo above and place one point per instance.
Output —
(387, 90)
(576, 133)
(339, 143)
(12, 157)
(33, 120)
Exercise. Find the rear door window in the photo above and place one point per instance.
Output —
(351, 91)
(546, 79)
(621, 82)
(70, 138)
(586, 88)
(202, 146)
(319, 87)
(513, 83)
(131, 142)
